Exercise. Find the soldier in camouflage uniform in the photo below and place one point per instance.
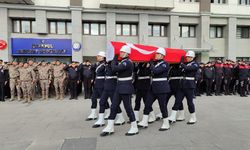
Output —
(45, 76)
(33, 66)
(27, 79)
(14, 80)
(59, 77)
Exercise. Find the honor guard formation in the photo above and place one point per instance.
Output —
(110, 83)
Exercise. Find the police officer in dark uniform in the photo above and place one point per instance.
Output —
(209, 75)
(175, 77)
(85, 69)
(123, 92)
(159, 90)
(228, 74)
(199, 80)
(142, 86)
(189, 70)
(3, 81)
(108, 92)
(98, 79)
(218, 77)
(73, 79)
(243, 78)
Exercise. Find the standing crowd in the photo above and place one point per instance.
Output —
(117, 80)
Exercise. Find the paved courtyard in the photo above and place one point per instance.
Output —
(223, 124)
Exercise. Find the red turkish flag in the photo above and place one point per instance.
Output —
(142, 53)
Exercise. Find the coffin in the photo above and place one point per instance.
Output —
(143, 53)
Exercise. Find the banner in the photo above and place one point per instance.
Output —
(142, 53)
(41, 47)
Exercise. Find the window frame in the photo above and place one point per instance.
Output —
(98, 25)
(151, 26)
(21, 27)
(189, 26)
(56, 26)
(130, 28)
(216, 32)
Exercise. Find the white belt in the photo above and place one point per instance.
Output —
(189, 78)
(175, 78)
(160, 79)
(125, 79)
(145, 77)
(100, 77)
(111, 77)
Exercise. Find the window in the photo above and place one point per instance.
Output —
(219, 1)
(126, 29)
(189, 0)
(60, 27)
(187, 31)
(216, 32)
(243, 59)
(242, 32)
(94, 28)
(23, 26)
(244, 2)
(157, 30)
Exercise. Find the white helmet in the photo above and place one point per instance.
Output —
(126, 49)
(190, 54)
(101, 53)
(161, 51)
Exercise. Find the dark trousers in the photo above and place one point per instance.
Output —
(104, 101)
(209, 83)
(97, 93)
(243, 87)
(174, 92)
(126, 99)
(2, 91)
(188, 93)
(87, 88)
(198, 87)
(162, 100)
(140, 94)
(73, 88)
(218, 82)
(227, 83)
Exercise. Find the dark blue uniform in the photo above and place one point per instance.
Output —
(73, 77)
(175, 76)
(109, 88)
(124, 88)
(99, 78)
(159, 88)
(3, 78)
(209, 75)
(228, 76)
(243, 79)
(187, 85)
(219, 74)
(142, 84)
(86, 76)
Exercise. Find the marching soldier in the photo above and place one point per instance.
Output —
(27, 79)
(187, 86)
(108, 92)
(59, 77)
(123, 92)
(159, 90)
(14, 80)
(45, 77)
(218, 77)
(142, 86)
(98, 80)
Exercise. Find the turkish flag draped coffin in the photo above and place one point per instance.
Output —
(142, 53)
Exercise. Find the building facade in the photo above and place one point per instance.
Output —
(78, 29)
